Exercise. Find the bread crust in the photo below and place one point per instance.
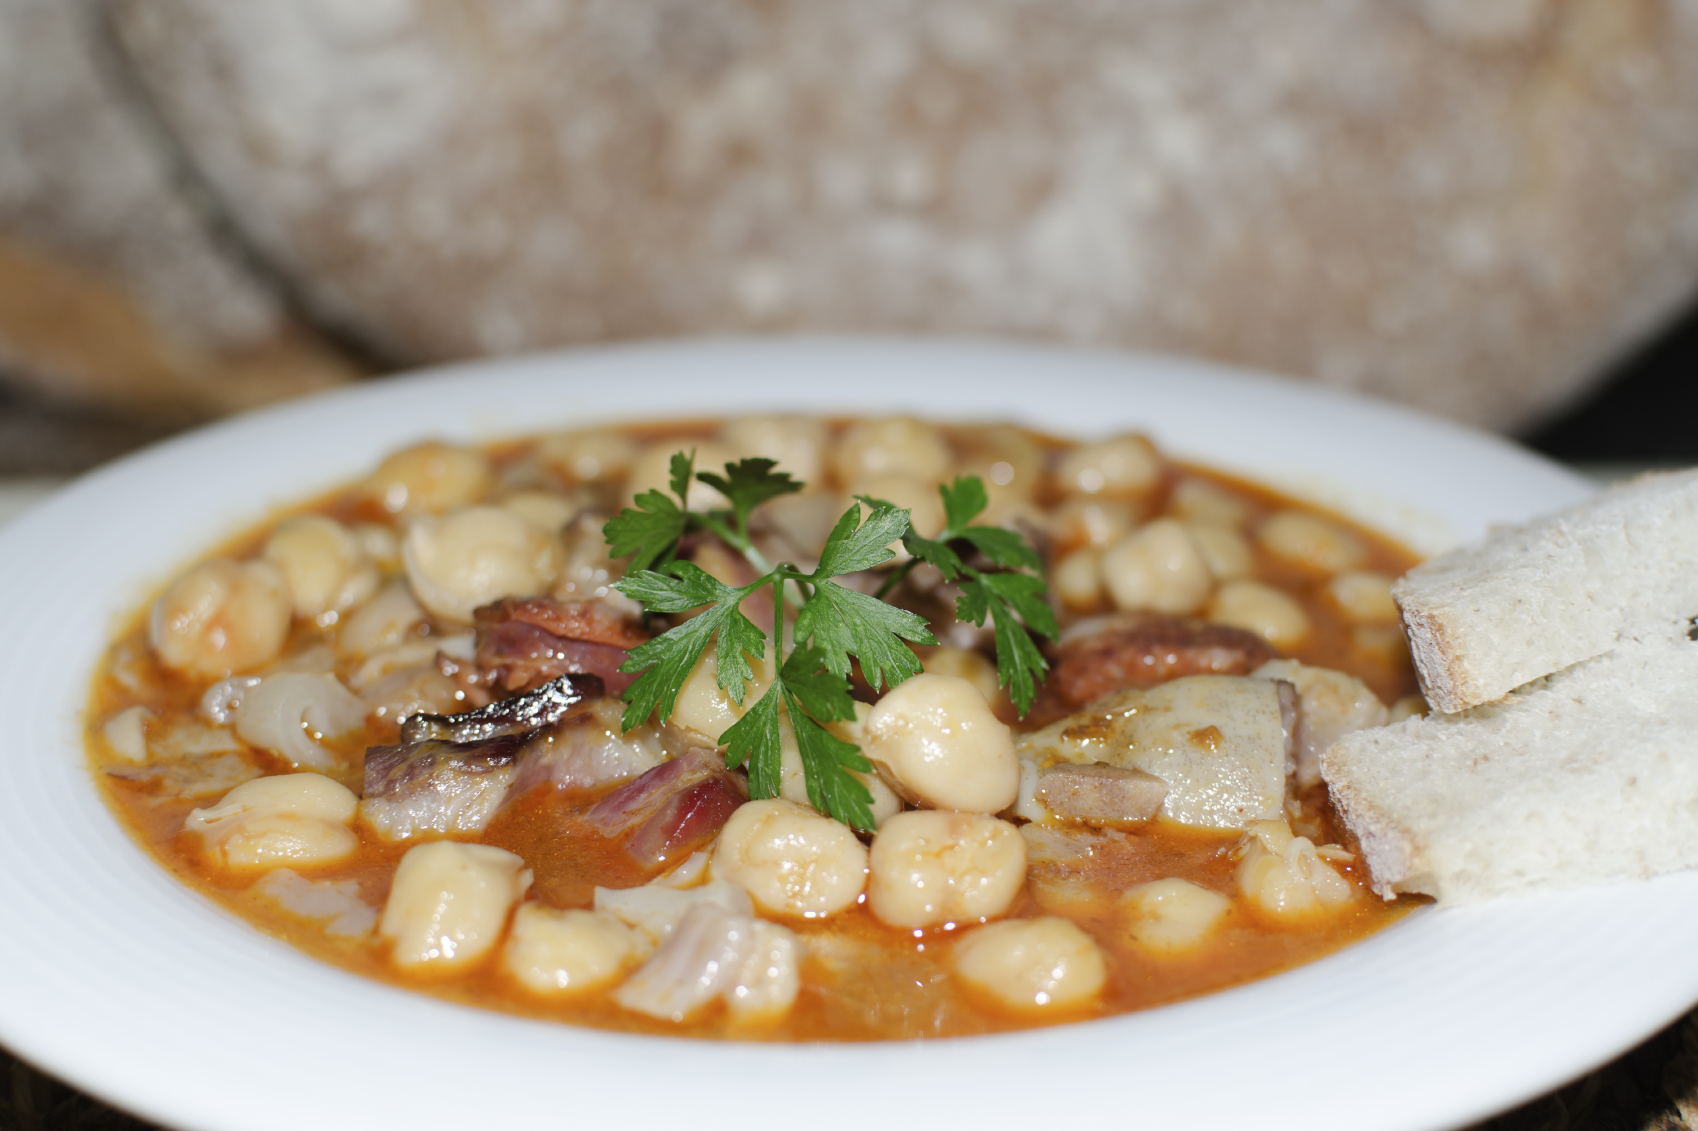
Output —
(1539, 597)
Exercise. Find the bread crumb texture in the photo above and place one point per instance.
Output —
(1587, 776)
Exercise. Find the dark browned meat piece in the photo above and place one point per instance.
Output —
(522, 642)
(531, 711)
(1100, 795)
(1144, 649)
(672, 810)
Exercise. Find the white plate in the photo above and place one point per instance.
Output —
(122, 982)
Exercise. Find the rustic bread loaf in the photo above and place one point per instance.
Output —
(115, 289)
(1535, 598)
(1587, 776)
(1464, 204)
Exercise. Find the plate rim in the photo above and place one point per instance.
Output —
(1060, 1052)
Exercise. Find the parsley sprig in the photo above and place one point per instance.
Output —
(1010, 596)
(835, 626)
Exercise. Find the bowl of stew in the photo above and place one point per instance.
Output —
(188, 972)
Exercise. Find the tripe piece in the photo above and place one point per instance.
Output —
(1535, 598)
(1220, 743)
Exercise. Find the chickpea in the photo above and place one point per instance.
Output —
(1225, 551)
(933, 737)
(797, 443)
(1268, 612)
(1408, 707)
(1384, 643)
(1125, 465)
(449, 904)
(1363, 597)
(1172, 915)
(1198, 500)
(385, 621)
(594, 456)
(652, 471)
(966, 664)
(1311, 541)
(476, 556)
(707, 708)
(430, 478)
(934, 867)
(896, 445)
(1078, 580)
(1283, 875)
(587, 573)
(1006, 459)
(299, 820)
(1092, 521)
(791, 860)
(543, 509)
(221, 617)
(916, 496)
(379, 544)
(556, 952)
(323, 564)
(1032, 964)
(1157, 567)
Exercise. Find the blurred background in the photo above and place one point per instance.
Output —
(1486, 208)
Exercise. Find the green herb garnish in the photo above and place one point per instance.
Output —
(835, 625)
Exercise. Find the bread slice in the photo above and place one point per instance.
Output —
(1533, 599)
(1586, 776)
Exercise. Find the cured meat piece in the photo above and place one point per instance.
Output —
(1144, 649)
(673, 809)
(522, 642)
(534, 710)
(576, 620)
(438, 787)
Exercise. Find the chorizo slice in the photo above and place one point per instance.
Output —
(1146, 649)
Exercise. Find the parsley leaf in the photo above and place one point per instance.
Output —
(649, 533)
(755, 738)
(824, 694)
(749, 483)
(680, 466)
(1004, 547)
(826, 762)
(963, 500)
(852, 548)
(841, 621)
